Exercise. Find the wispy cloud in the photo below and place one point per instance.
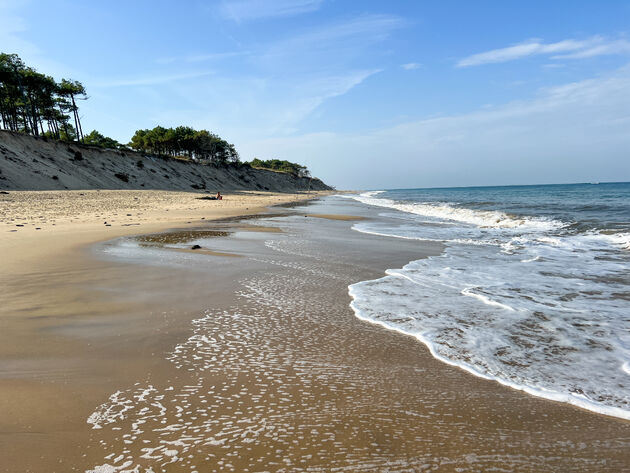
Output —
(334, 44)
(286, 81)
(260, 107)
(321, 63)
(311, 94)
(375, 27)
(245, 10)
(410, 66)
(195, 58)
(566, 49)
(572, 133)
(618, 47)
(150, 80)
(14, 38)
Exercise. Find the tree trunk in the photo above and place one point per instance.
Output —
(77, 122)
(33, 116)
(64, 124)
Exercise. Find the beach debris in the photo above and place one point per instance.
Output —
(195, 247)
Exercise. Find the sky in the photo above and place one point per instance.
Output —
(367, 94)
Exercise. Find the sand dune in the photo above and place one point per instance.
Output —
(29, 163)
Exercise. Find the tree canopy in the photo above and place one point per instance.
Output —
(95, 138)
(200, 145)
(29, 100)
(282, 166)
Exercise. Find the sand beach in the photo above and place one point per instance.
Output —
(50, 290)
(139, 354)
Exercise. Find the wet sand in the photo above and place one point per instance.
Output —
(337, 217)
(275, 374)
(71, 326)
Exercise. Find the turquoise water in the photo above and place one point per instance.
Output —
(532, 290)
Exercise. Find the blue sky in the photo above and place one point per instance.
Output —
(367, 94)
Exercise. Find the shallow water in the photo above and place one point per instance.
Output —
(532, 289)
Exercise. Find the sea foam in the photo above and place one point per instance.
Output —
(481, 218)
(523, 300)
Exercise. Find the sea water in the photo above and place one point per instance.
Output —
(532, 289)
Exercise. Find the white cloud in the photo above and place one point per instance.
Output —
(566, 49)
(244, 10)
(284, 83)
(410, 66)
(195, 58)
(334, 45)
(257, 107)
(150, 80)
(312, 94)
(372, 28)
(618, 47)
(573, 133)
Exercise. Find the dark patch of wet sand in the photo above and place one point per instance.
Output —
(260, 228)
(180, 236)
(204, 251)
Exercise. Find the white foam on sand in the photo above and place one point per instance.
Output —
(517, 300)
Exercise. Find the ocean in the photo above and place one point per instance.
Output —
(532, 289)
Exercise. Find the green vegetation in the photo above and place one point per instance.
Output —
(36, 104)
(281, 166)
(95, 138)
(28, 100)
(185, 141)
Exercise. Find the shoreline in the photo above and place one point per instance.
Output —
(578, 403)
(490, 307)
(68, 219)
(273, 346)
(64, 337)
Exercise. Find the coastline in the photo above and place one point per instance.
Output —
(55, 297)
(274, 347)
(38, 224)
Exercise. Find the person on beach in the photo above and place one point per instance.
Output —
(219, 196)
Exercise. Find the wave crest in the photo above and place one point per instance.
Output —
(480, 218)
